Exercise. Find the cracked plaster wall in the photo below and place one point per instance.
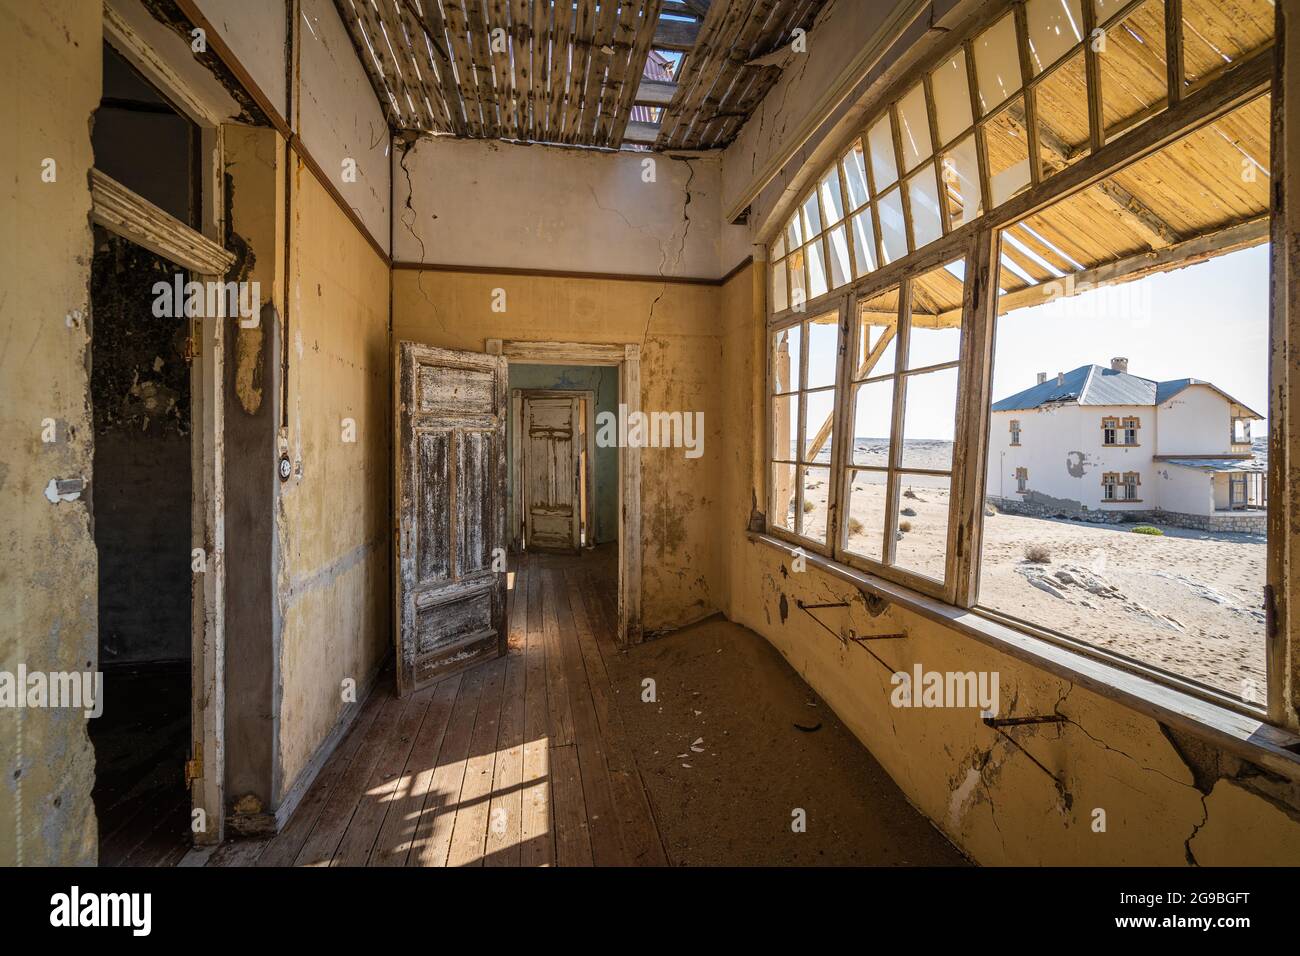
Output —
(1170, 798)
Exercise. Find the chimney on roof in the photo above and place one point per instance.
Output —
(1119, 364)
(1042, 377)
(1060, 378)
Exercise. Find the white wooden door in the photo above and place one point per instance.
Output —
(450, 416)
(550, 450)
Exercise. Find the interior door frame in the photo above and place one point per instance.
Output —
(133, 217)
(517, 513)
(626, 357)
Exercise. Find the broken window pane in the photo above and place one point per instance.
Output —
(855, 176)
(785, 424)
(810, 216)
(878, 327)
(893, 229)
(864, 243)
(819, 416)
(951, 97)
(934, 336)
(816, 270)
(961, 186)
(778, 247)
(816, 484)
(880, 142)
(832, 203)
(794, 232)
(1134, 85)
(929, 416)
(798, 288)
(1055, 26)
(784, 497)
(927, 226)
(1211, 40)
(865, 521)
(997, 63)
(914, 128)
(921, 538)
(780, 295)
(873, 409)
(1062, 107)
(785, 359)
(1007, 147)
(823, 349)
(838, 241)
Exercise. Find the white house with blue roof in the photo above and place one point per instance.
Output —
(1104, 444)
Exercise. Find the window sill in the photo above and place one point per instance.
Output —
(1241, 734)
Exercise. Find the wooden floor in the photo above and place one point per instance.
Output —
(521, 761)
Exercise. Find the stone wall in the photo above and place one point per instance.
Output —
(1243, 522)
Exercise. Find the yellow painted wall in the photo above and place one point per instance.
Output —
(680, 362)
(1167, 800)
(334, 586)
(50, 63)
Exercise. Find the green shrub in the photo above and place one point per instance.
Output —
(1146, 529)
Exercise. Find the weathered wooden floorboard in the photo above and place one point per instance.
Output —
(397, 835)
(537, 830)
(434, 827)
(363, 829)
(506, 811)
(598, 801)
(284, 848)
(557, 690)
(469, 833)
(641, 839)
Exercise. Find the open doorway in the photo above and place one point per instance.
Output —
(153, 367)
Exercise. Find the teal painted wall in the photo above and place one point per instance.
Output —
(603, 380)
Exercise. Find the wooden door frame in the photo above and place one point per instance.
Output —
(138, 220)
(517, 398)
(626, 357)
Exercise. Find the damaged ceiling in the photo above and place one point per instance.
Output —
(573, 72)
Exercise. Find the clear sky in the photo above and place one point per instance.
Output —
(1207, 321)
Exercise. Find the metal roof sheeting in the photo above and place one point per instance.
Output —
(1096, 385)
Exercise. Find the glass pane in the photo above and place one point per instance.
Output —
(785, 421)
(823, 350)
(816, 483)
(961, 181)
(873, 410)
(794, 232)
(782, 504)
(839, 250)
(1133, 81)
(810, 216)
(997, 63)
(864, 528)
(893, 229)
(778, 247)
(855, 176)
(1054, 27)
(924, 200)
(819, 418)
(929, 415)
(1109, 8)
(816, 270)
(951, 97)
(921, 541)
(877, 327)
(1062, 107)
(780, 294)
(1008, 152)
(798, 286)
(914, 128)
(864, 243)
(880, 141)
(785, 359)
(832, 203)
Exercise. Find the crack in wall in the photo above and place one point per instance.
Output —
(407, 146)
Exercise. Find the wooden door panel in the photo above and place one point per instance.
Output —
(449, 601)
(550, 472)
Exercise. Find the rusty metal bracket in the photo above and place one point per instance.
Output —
(809, 608)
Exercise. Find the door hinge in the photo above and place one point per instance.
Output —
(193, 770)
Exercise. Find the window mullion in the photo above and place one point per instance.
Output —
(841, 426)
(970, 449)
(896, 423)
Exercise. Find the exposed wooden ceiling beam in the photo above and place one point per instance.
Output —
(641, 134)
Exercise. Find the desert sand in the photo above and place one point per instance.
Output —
(1189, 602)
